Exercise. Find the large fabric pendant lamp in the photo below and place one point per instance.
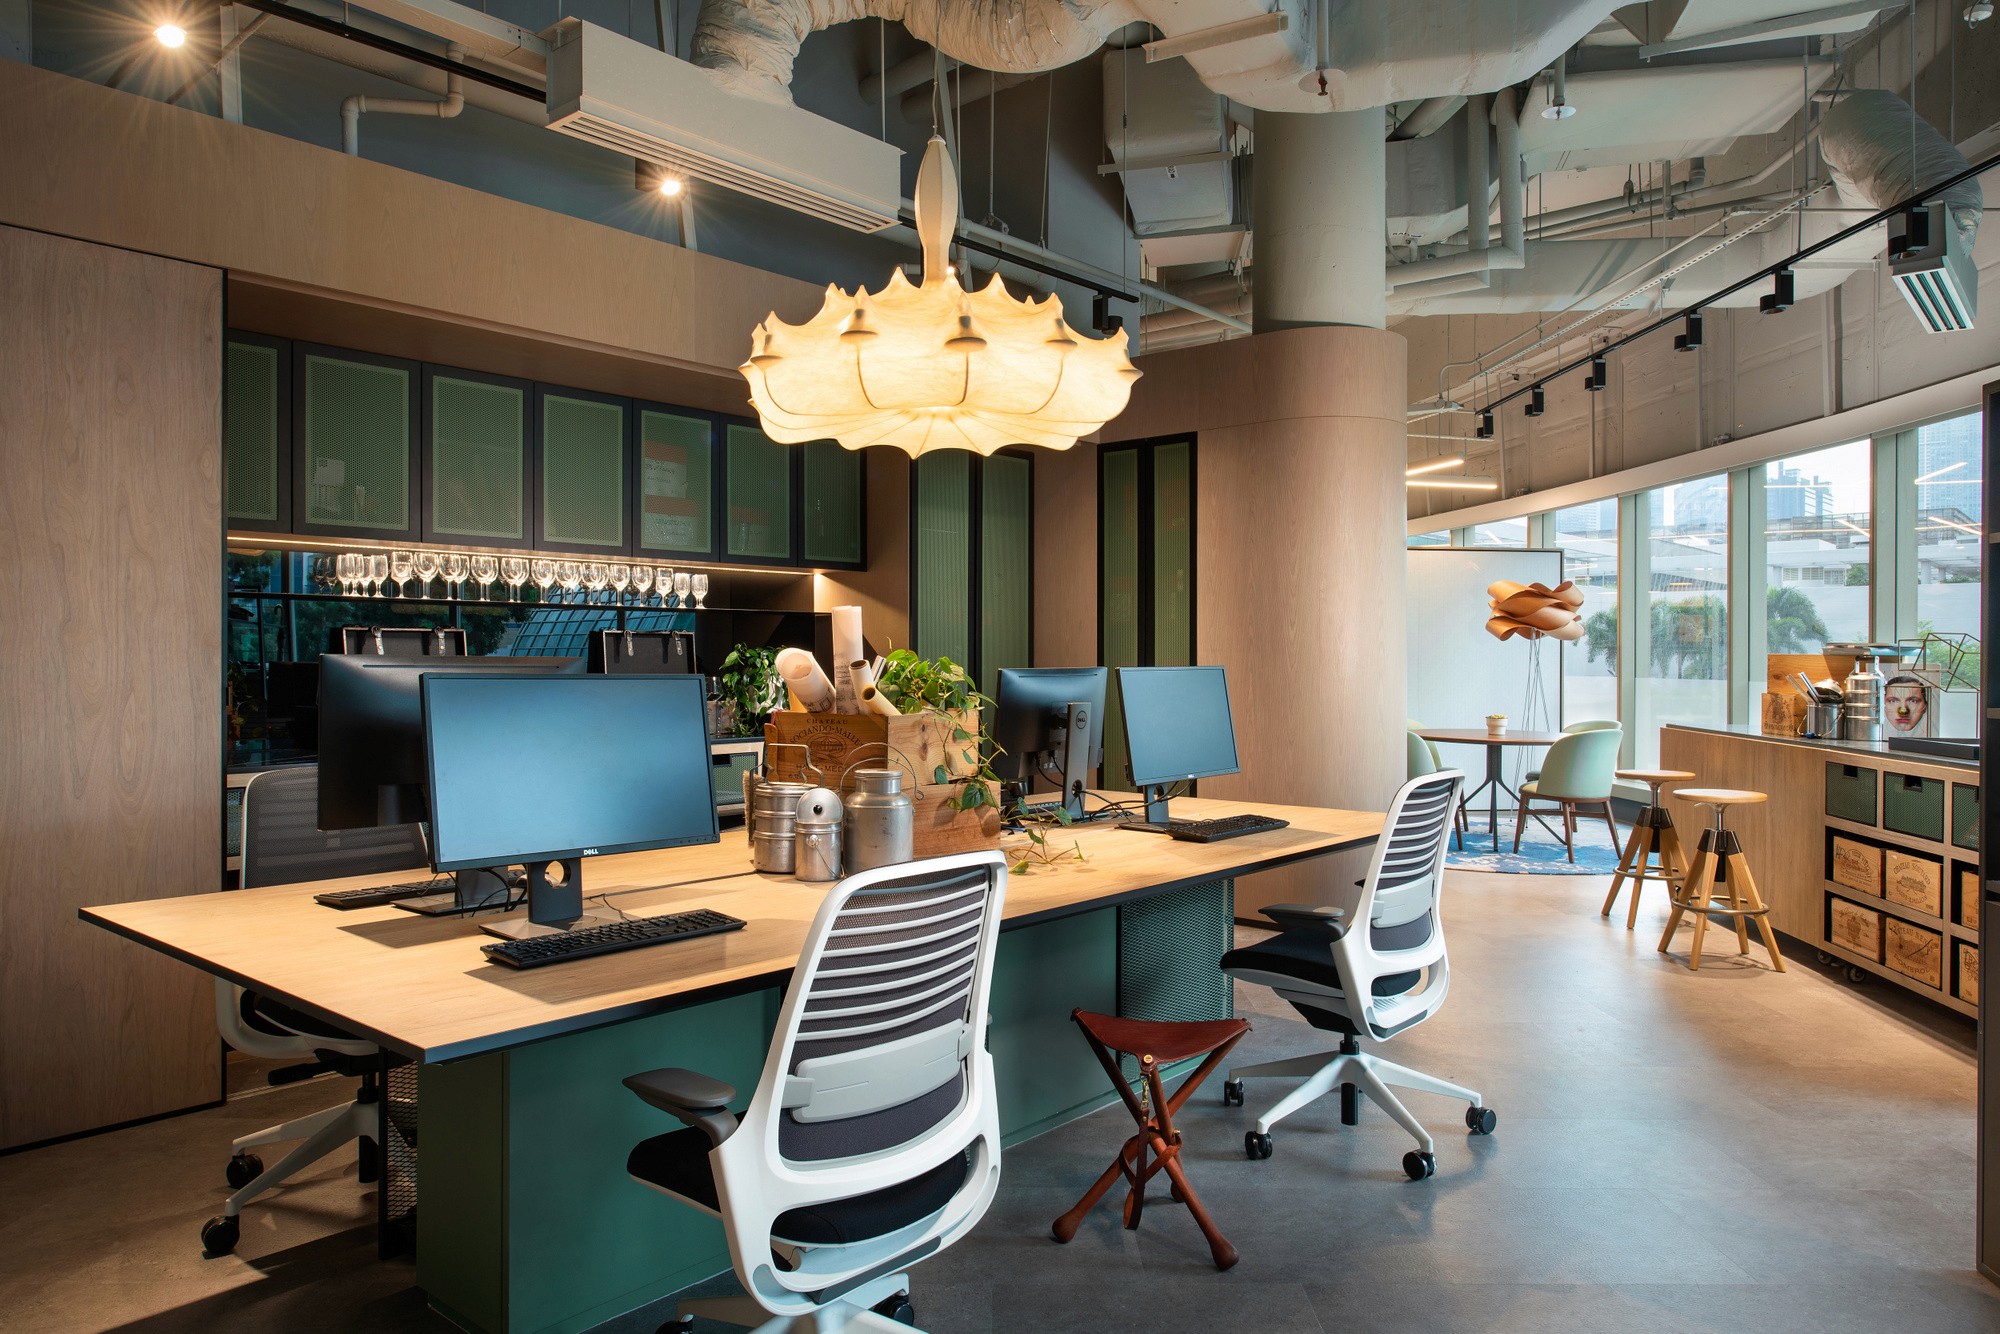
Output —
(935, 366)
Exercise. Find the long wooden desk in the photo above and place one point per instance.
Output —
(528, 1222)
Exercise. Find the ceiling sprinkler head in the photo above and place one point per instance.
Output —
(1978, 12)
(1560, 110)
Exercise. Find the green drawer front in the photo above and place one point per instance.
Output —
(1850, 793)
(1965, 816)
(1912, 805)
(250, 441)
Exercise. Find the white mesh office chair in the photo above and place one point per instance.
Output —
(873, 1138)
(1372, 983)
(282, 844)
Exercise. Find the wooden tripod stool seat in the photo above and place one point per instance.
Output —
(1157, 1146)
(1653, 835)
(1719, 882)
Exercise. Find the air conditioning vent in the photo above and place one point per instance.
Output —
(1939, 279)
(634, 100)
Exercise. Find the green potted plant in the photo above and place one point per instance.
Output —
(941, 686)
(747, 688)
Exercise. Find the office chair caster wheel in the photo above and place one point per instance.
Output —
(1417, 1165)
(1481, 1120)
(1232, 1093)
(219, 1235)
(243, 1169)
(897, 1308)
(1256, 1146)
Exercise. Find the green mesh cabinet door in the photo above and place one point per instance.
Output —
(1173, 555)
(1006, 518)
(941, 606)
(582, 472)
(354, 418)
(832, 499)
(256, 434)
(676, 491)
(476, 458)
(758, 491)
(1145, 570)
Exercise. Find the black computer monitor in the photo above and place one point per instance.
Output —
(1177, 728)
(544, 771)
(1050, 720)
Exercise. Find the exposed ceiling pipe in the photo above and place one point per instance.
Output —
(903, 76)
(1238, 305)
(444, 108)
(968, 85)
(1428, 118)
(1641, 200)
(1511, 253)
(1478, 173)
(370, 60)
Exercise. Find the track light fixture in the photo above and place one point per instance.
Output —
(1596, 379)
(1485, 431)
(171, 35)
(1689, 341)
(1537, 401)
(1780, 296)
(1912, 234)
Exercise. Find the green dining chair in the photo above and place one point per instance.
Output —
(1576, 774)
(1588, 725)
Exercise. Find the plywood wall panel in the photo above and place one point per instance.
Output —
(110, 674)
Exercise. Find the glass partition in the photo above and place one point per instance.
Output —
(1587, 536)
(1687, 610)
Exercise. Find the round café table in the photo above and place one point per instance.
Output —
(1495, 748)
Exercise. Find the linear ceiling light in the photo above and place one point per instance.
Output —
(1436, 465)
(1455, 483)
(1925, 480)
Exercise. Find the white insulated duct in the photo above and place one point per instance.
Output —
(1879, 151)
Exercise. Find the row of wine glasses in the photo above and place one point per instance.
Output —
(369, 574)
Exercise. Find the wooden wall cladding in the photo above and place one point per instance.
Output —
(110, 429)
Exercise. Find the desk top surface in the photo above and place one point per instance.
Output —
(1479, 736)
(420, 986)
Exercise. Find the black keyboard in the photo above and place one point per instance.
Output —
(610, 938)
(1211, 831)
(380, 894)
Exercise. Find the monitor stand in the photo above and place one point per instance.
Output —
(1076, 757)
(555, 903)
(483, 889)
(1156, 811)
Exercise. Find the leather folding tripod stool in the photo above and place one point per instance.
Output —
(1157, 1145)
(1719, 881)
(1653, 835)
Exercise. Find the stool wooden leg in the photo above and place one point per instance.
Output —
(1219, 1248)
(1740, 866)
(1726, 869)
(1064, 1228)
(1632, 864)
(1673, 870)
(1679, 897)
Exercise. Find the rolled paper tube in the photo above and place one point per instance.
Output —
(875, 701)
(846, 628)
(809, 686)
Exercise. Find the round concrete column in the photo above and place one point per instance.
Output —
(1319, 201)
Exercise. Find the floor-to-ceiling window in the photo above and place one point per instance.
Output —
(1949, 525)
(1818, 552)
(1440, 538)
(1501, 533)
(1587, 536)
(1686, 536)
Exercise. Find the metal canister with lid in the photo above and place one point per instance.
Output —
(773, 821)
(816, 836)
(881, 821)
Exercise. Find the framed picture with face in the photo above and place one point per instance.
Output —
(1906, 706)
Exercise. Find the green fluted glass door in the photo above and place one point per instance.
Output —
(1006, 513)
(1146, 610)
(1118, 626)
(583, 473)
(676, 484)
(759, 483)
(356, 473)
(254, 438)
(942, 491)
(1173, 555)
(833, 505)
(476, 431)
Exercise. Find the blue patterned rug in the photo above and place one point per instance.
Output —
(1540, 854)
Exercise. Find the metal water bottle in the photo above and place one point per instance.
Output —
(881, 821)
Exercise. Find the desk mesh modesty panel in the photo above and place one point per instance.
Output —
(1170, 947)
(583, 472)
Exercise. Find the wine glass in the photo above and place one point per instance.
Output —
(456, 567)
(683, 582)
(617, 575)
(569, 574)
(402, 564)
(428, 566)
(642, 583)
(595, 576)
(663, 579)
(544, 572)
(484, 570)
(700, 590)
(513, 573)
(378, 574)
(343, 571)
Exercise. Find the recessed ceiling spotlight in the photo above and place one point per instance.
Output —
(171, 35)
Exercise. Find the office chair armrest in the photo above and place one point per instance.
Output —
(689, 1097)
(1317, 918)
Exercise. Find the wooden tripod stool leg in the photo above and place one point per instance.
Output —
(1727, 873)
(1631, 866)
(1678, 895)
(1673, 869)
(1739, 871)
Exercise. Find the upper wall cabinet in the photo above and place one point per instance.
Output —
(354, 417)
(676, 492)
(834, 498)
(477, 438)
(584, 471)
(759, 486)
(256, 434)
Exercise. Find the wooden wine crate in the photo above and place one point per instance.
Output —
(1916, 952)
(1856, 929)
(1968, 897)
(1857, 865)
(1784, 713)
(919, 744)
(1967, 989)
(943, 829)
(1913, 880)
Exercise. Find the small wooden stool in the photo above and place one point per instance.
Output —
(1719, 865)
(1155, 1044)
(1652, 832)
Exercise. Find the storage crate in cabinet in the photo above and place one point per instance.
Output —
(1854, 928)
(1966, 911)
(1850, 793)
(1965, 816)
(1913, 880)
(1856, 865)
(1913, 805)
(1917, 952)
(1967, 988)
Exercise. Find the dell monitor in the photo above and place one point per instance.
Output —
(543, 771)
(1177, 729)
(1050, 720)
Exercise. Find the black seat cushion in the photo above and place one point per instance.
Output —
(1304, 955)
(678, 1162)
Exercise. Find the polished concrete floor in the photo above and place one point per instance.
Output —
(1729, 1150)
